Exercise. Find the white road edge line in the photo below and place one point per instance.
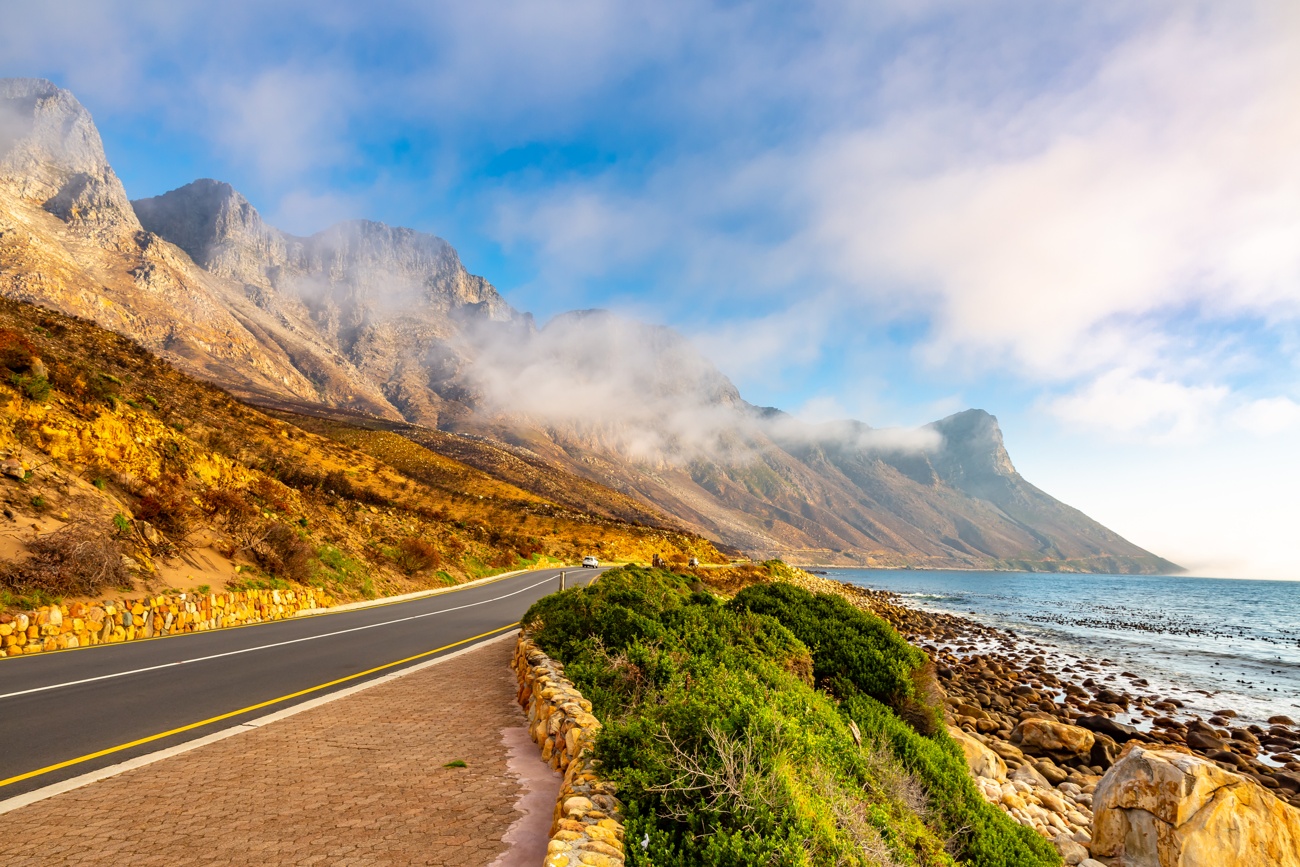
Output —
(269, 646)
(18, 801)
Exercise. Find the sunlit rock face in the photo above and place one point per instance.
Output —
(1158, 808)
(51, 155)
(70, 240)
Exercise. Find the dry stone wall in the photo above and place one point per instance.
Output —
(62, 627)
(587, 828)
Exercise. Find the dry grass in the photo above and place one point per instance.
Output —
(78, 560)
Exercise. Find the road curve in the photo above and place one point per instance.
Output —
(65, 714)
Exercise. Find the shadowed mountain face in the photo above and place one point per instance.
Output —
(363, 320)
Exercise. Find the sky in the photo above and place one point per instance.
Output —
(1082, 217)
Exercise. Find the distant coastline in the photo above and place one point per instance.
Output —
(1121, 670)
(1210, 642)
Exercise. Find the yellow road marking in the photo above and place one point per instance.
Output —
(242, 710)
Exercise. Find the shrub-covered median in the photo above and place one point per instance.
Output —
(732, 729)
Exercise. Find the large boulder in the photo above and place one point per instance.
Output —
(983, 762)
(1159, 808)
(1056, 738)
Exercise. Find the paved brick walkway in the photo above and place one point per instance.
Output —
(356, 781)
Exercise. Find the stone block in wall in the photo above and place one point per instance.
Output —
(587, 827)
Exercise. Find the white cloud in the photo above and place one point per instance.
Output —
(1140, 407)
(285, 122)
(1131, 404)
(1167, 181)
(1055, 233)
(1268, 416)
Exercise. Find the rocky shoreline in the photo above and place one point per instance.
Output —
(1040, 729)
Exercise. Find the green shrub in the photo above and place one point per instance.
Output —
(35, 386)
(987, 837)
(726, 754)
(104, 387)
(847, 644)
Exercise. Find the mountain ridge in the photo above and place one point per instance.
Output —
(386, 322)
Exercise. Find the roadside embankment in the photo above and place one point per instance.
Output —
(68, 626)
(587, 828)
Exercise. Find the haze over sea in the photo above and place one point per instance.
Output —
(1238, 640)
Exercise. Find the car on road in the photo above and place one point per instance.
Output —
(590, 563)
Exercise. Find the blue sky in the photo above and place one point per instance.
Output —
(1083, 217)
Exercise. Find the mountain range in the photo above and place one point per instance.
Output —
(384, 328)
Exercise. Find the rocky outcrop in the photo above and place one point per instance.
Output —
(587, 829)
(1050, 737)
(51, 154)
(982, 761)
(394, 302)
(70, 241)
(1160, 808)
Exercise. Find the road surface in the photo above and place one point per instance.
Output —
(67, 713)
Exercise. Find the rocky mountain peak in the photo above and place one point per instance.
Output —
(375, 268)
(973, 457)
(218, 227)
(51, 152)
(199, 217)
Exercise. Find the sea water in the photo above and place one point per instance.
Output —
(1212, 643)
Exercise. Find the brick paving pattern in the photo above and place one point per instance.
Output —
(358, 781)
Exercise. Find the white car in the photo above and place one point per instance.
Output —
(590, 563)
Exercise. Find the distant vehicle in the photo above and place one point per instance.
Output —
(695, 561)
(590, 562)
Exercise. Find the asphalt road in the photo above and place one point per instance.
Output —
(58, 710)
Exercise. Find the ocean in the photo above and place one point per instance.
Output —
(1211, 643)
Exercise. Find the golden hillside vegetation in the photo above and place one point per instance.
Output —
(121, 473)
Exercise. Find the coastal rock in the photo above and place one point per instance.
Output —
(1072, 853)
(1053, 737)
(1105, 725)
(1158, 808)
(983, 762)
(1029, 774)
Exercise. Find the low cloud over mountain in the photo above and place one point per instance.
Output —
(385, 323)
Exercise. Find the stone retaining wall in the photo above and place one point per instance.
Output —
(61, 627)
(587, 828)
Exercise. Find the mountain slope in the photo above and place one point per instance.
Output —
(363, 320)
(101, 440)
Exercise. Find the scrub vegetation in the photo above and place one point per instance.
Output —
(774, 727)
(121, 473)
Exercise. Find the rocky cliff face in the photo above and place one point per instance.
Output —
(392, 301)
(51, 154)
(70, 240)
(386, 322)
